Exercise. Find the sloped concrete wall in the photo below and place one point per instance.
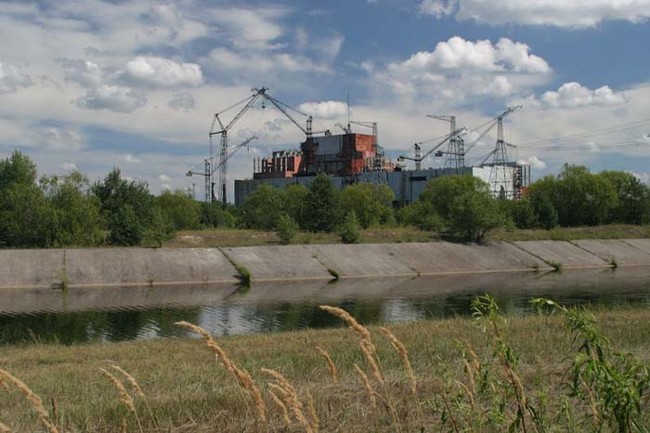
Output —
(142, 266)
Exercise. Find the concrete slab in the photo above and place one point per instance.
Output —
(31, 268)
(282, 262)
(362, 260)
(640, 244)
(444, 257)
(614, 250)
(565, 253)
(124, 266)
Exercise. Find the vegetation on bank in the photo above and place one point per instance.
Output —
(71, 211)
(557, 371)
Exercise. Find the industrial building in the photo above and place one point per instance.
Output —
(353, 157)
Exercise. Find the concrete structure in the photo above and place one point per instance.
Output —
(123, 267)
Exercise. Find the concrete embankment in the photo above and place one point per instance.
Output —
(141, 267)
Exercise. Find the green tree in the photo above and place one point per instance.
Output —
(75, 211)
(520, 212)
(422, 215)
(323, 211)
(296, 203)
(472, 214)
(543, 194)
(633, 198)
(214, 215)
(182, 211)
(373, 204)
(26, 219)
(583, 198)
(126, 207)
(350, 229)
(465, 205)
(286, 228)
(263, 207)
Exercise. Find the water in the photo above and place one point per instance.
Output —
(118, 314)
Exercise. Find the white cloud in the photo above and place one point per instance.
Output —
(458, 68)
(250, 28)
(164, 178)
(129, 159)
(572, 95)
(114, 98)
(560, 13)
(325, 110)
(12, 78)
(69, 166)
(84, 72)
(534, 162)
(438, 8)
(57, 138)
(163, 72)
(182, 102)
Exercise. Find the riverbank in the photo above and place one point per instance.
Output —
(186, 391)
(122, 267)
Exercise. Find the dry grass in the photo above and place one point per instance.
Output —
(188, 392)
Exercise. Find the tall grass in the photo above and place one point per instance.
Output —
(373, 379)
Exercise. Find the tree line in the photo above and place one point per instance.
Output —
(69, 210)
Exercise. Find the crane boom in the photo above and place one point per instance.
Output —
(493, 123)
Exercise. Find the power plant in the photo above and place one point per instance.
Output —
(353, 157)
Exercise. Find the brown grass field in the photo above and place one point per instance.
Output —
(461, 382)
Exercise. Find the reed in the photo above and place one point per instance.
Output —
(290, 397)
(243, 378)
(404, 356)
(330, 364)
(367, 386)
(33, 399)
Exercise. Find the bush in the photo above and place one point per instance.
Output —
(286, 228)
(350, 229)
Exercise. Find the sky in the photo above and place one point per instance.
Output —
(91, 85)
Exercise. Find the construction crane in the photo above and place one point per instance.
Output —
(455, 152)
(208, 172)
(491, 124)
(223, 150)
(419, 158)
(504, 178)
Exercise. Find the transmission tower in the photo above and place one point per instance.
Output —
(501, 178)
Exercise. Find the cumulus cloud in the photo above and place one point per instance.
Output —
(69, 166)
(12, 78)
(325, 109)
(559, 13)
(533, 162)
(159, 71)
(114, 98)
(458, 53)
(572, 95)
(182, 102)
(457, 68)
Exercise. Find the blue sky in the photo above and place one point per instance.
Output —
(92, 85)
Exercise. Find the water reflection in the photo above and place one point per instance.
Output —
(109, 314)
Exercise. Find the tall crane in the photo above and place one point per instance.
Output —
(455, 151)
(502, 180)
(419, 158)
(208, 172)
(223, 131)
(491, 124)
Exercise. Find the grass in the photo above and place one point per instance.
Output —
(187, 391)
(241, 238)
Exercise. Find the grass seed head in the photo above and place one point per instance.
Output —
(34, 399)
(4, 428)
(330, 364)
(134, 383)
(366, 385)
(125, 398)
(403, 354)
